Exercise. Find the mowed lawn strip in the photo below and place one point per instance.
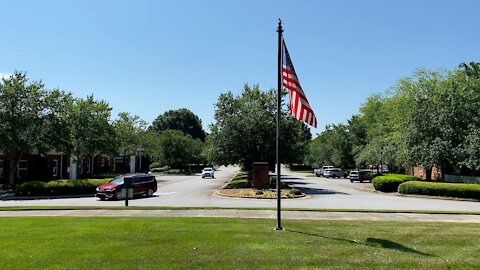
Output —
(223, 243)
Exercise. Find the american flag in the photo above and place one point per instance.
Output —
(299, 106)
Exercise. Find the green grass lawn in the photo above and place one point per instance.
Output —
(222, 243)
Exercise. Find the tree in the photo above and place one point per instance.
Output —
(245, 129)
(131, 134)
(29, 119)
(182, 119)
(331, 147)
(177, 150)
(90, 131)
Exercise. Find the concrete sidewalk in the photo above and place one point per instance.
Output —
(234, 213)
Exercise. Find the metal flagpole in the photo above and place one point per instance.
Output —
(279, 110)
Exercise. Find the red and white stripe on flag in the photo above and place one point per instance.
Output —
(299, 106)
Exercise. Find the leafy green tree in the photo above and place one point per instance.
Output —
(181, 119)
(331, 147)
(177, 150)
(90, 130)
(131, 134)
(30, 119)
(245, 129)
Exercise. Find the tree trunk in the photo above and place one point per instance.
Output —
(14, 161)
(428, 173)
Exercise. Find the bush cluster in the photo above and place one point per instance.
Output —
(59, 187)
(471, 191)
(155, 165)
(390, 182)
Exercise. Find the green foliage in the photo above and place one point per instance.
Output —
(245, 129)
(31, 119)
(155, 165)
(471, 191)
(390, 182)
(91, 133)
(444, 126)
(176, 149)
(131, 135)
(331, 147)
(183, 120)
(59, 187)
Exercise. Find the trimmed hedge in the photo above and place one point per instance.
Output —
(471, 191)
(390, 182)
(59, 187)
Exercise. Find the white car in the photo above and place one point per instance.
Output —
(208, 172)
(319, 172)
(334, 172)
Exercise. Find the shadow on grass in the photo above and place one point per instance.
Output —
(383, 243)
(370, 242)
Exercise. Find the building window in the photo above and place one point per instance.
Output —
(22, 169)
(55, 168)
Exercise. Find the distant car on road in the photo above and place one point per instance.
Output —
(360, 176)
(208, 172)
(333, 172)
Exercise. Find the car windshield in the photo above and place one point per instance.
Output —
(353, 172)
(117, 181)
(207, 169)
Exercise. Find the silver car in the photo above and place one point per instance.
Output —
(208, 172)
(335, 172)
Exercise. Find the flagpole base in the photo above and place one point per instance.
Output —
(277, 228)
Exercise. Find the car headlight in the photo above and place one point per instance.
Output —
(110, 189)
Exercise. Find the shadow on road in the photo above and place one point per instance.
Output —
(370, 242)
(320, 191)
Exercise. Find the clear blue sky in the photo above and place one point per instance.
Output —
(147, 57)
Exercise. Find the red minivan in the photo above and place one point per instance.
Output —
(142, 184)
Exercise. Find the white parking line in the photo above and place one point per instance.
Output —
(164, 193)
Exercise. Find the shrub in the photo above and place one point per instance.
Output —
(59, 187)
(296, 191)
(390, 182)
(155, 165)
(471, 191)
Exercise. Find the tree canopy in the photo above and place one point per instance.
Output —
(244, 130)
(183, 120)
(27, 116)
(430, 118)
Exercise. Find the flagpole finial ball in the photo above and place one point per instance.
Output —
(280, 29)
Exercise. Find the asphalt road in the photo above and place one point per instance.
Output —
(321, 193)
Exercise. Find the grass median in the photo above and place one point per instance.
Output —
(222, 243)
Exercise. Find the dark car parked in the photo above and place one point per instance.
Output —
(142, 184)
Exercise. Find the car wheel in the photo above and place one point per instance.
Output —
(149, 192)
(318, 175)
(351, 181)
(361, 181)
(119, 196)
(102, 198)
